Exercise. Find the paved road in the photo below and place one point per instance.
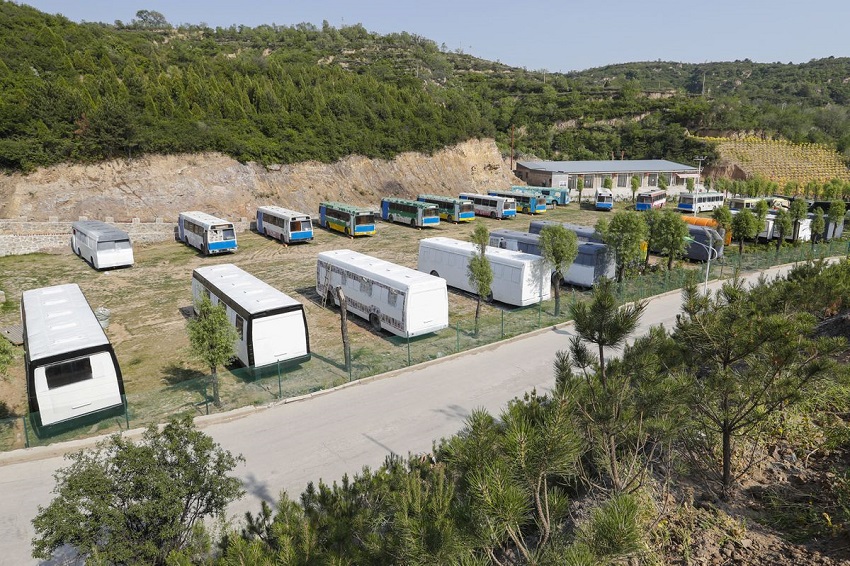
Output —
(288, 445)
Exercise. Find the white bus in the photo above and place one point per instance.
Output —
(491, 206)
(698, 202)
(209, 234)
(283, 224)
(101, 244)
(391, 297)
(518, 278)
(271, 325)
(72, 371)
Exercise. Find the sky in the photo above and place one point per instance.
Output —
(570, 35)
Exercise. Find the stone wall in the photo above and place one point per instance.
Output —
(20, 236)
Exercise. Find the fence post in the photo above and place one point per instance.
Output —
(279, 384)
(457, 337)
(26, 431)
(503, 324)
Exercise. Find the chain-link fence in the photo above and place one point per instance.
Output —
(240, 387)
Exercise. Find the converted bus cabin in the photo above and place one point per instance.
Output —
(592, 261)
(706, 236)
(271, 325)
(205, 232)
(101, 244)
(71, 369)
(288, 226)
(391, 297)
(518, 278)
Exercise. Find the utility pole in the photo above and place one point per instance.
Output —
(699, 159)
(512, 148)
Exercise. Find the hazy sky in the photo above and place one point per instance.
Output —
(556, 36)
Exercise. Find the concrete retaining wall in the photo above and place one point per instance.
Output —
(18, 237)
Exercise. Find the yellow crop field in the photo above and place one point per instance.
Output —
(783, 161)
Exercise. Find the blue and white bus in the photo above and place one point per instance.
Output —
(699, 202)
(552, 195)
(604, 199)
(209, 234)
(491, 206)
(450, 208)
(350, 220)
(527, 203)
(283, 224)
(647, 200)
(412, 212)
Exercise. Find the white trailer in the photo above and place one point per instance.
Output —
(592, 261)
(271, 325)
(101, 244)
(72, 371)
(390, 296)
(518, 278)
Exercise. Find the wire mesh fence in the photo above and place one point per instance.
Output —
(237, 387)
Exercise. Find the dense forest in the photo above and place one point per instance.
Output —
(283, 94)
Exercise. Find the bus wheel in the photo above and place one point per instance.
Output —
(391, 218)
(434, 273)
(450, 218)
(489, 297)
(375, 322)
(493, 215)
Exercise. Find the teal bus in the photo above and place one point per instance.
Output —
(350, 220)
(554, 196)
(406, 211)
(451, 208)
(529, 204)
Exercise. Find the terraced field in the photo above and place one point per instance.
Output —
(782, 161)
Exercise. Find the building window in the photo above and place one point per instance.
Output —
(653, 179)
(623, 180)
(588, 181)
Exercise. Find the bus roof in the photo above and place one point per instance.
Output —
(391, 274)
(443, 198)
(350, 208)
(253, 295)
(100, 231)
(702, 194)
(284, 212)
(651, 192)
(59, 320)
(508, 257)
(486, 196)
(204, 219)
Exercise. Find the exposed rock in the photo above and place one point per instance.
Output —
(160, 186)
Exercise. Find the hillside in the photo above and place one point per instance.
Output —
(92, 92)
(161, 186)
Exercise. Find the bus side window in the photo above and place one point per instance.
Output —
(240, 327)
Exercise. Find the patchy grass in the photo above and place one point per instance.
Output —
(148, 330)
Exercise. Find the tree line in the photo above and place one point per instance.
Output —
(283, 94)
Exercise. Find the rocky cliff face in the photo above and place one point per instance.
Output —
(161, 186)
